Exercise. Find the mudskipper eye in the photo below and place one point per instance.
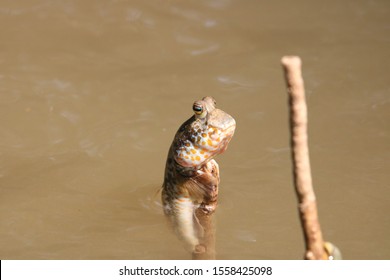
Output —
(197, 108)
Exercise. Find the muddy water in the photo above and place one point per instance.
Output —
(92, 93)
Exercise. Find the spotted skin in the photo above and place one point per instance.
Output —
(191, 174)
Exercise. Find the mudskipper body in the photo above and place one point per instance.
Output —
(191, 173)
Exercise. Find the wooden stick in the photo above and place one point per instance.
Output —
(301, 165)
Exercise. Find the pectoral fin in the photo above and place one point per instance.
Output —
(198, 227)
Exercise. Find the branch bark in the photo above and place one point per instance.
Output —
(307, 205)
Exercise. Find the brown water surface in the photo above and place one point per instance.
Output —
(92, 92)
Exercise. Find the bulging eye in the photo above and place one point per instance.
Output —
(197, 108)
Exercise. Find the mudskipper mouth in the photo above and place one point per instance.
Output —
(227, 128)
(230, 129)
(226, 136)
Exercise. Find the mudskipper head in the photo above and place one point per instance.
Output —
(205, 135)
